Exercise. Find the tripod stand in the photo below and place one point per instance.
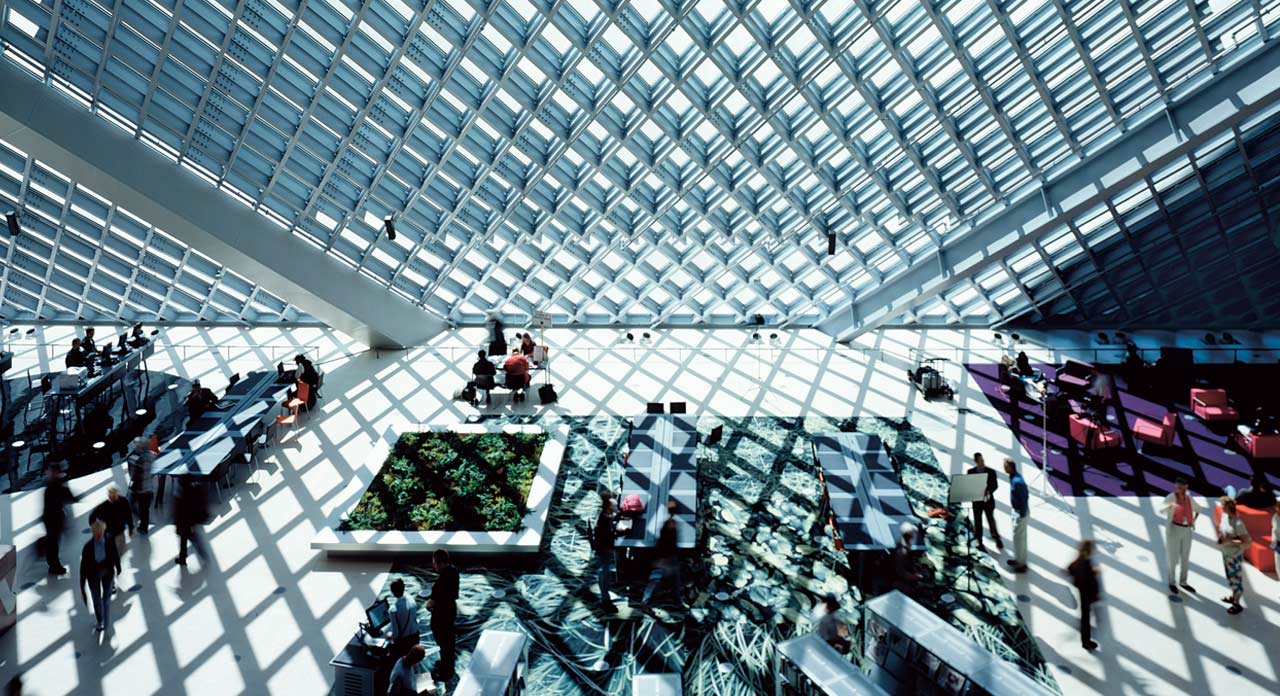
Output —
(969, 488)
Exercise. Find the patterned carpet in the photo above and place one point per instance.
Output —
(768, 560)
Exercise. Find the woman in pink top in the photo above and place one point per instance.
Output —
(1233, 539)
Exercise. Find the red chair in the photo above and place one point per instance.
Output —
(1211, 405)
(1157, 433)
(1087, 433)
(1259, 446)
(294, 405)
(1258, 522)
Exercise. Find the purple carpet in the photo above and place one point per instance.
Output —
(1200, 454)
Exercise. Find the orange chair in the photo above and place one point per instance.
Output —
(294, 405)
(1157, 433)
(1258, 522)
(1211, 405)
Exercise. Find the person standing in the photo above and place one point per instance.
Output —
(906, 574)
(404, 632)
(603, 540)
(829, 627)
(141, 483)
(986, 506)
(444, 614)
(666, 565)
(1019, 500)
(1180, 511)
(1233, 539)
(56, 499)
(1084, 575)
(190, 510)
(99, 565)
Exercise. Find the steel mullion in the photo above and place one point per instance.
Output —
(1263, 33)
(448, 216)
(112, 27)
(945, 30)
(20, 204)
(1057, 275)
(56, 19)
(615, 143)
(1222, 230)
(338, 53)
(1253, 177)
(1022, 288)
(482, 168)
(1074, 34)
(1132, 21)
(1135, 250)
(1098, 268)
(704, 172)
(161, 54)
(53, 252)
(1029, 68)
(908, 70)
(208, 86)
(266, 86)
(1200, 35)
(397, 55)
(1173, 232)
(168, 294)
(987, 298)
(133, 276)
(97, 254)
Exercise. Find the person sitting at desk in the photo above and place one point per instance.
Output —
(86, 343)
(527, 345)
(517, 369)
(482, 377)
(199, 400)
(307, 374)
(1023, 364)
(75, 357)
(404, 680)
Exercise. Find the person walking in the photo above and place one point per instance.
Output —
(1233, 539)
(190, 510)
(141, 483)
(404, 632)
(603, 542)
(1180, 512)
(99, 565)
(666, 565)
(986, 506)
(117, 513)
(1084, 575)
(1019, 500)
(906, 572)
(56, 499)
(444, 614)
(829, 626)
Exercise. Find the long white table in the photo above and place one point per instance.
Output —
(662, 465)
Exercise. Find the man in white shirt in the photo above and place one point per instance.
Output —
(403, 629)
(1180, 511)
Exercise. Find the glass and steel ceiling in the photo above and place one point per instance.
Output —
(640, 161)
(80, 256)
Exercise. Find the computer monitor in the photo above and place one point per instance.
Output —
(379, 615)
(124, 337)
(233, 379)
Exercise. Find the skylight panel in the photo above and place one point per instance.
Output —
(649, 9)
(22, 23)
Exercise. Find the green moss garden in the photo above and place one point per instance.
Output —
(451, 482)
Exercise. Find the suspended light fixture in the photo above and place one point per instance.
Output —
(390, 226)
(11, 217)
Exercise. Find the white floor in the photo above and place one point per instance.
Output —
(270, 613)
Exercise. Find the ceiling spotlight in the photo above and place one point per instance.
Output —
(646, 335)
(1015, 337)
(1210, 339)
(1102, 338)
(390, 227)
(999, 338)
(11, 217)
(831, 245)
(1228, 338)
(755, 336)
(630, 336)
(773, 337)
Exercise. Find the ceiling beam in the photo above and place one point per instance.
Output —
(108, 160)
(1240, 91)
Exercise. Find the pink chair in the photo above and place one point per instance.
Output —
(1157, 433)
(1089, 434)
(1211, 405)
